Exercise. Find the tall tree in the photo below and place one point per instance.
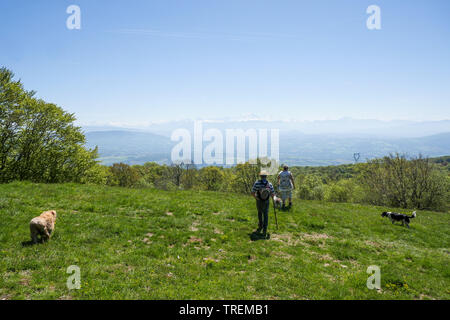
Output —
(38, 140)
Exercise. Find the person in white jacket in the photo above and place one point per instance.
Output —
(286, 185)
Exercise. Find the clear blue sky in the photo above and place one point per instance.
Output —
(149, 60)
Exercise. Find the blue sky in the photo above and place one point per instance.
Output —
(140, 61)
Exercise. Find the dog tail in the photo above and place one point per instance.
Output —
(413, 215)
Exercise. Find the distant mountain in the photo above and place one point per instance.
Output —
(344, 126)
(296, 148)
(131, 147)
(339, 149)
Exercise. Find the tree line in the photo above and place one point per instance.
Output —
(394, 181)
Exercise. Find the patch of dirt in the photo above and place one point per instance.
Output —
(5, 297)
(217, 231)
(297, 297)
(194, 226)
(354, 263)
(285, 238)
(373, 244)
(193, 239)
(315, 236)
(25, 282)
(25, 277)
(424, 296)
(169, 213)
(326, 257)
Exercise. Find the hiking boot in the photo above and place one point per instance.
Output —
(258, 230)
(264, 233)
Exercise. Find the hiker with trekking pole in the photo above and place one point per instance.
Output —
(263, 191)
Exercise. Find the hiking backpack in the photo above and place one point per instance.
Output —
(285, 179)
(264, 192)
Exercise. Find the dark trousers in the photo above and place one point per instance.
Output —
(263, 213)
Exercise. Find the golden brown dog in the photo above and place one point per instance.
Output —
(43, 226)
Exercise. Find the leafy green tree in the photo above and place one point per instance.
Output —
(212, 178)
(310, 187)
(245, 175)
(407, 183)
(123, 175)
(340, 191)
(38, 140)
(189, 176)
(97, 174)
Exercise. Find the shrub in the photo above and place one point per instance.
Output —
(123, 175)
(211, 178)
(310, 187)
(340, 191)
(398, 182)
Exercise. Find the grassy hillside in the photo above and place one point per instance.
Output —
(151, 244)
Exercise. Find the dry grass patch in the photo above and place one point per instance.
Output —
(315, 236)
(286, 238)
(193, 239)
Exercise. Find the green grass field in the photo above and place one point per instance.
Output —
(151, 244)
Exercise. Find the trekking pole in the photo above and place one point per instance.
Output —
(275, 213)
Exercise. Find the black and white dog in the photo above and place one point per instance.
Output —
(403, 218)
